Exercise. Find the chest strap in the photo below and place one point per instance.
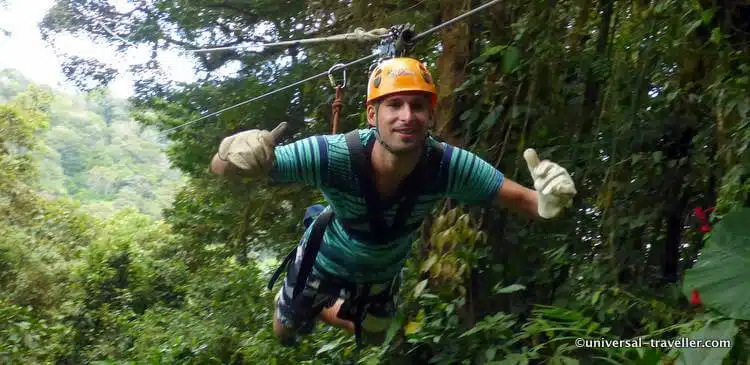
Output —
(417, 182)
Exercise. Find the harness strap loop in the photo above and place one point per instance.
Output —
(336, 108)
(310, 253)
(360, 314)
(281, 268)
(360, 161)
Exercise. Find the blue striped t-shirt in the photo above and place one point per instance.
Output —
(323, 162)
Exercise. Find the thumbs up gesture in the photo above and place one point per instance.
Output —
(252, 151)
(554, 186)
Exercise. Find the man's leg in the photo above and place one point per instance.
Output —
(374, 328)
(330, 316)
(381, 311)
(378, 317)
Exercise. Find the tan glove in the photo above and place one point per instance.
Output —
(552, 182)
(252, 151)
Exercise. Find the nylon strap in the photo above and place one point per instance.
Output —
(360, 314)
(281, 268)
(336, 109)
(311, 251)
(360, 161)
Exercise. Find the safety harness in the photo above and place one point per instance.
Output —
(418, 182)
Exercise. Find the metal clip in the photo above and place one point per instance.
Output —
(330, 75)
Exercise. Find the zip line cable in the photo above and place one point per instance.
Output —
(273, 92)
(113, 33)
(464, 15)
(344, 66)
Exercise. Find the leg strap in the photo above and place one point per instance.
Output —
(361, 299)
(308, 259)
(289, 257)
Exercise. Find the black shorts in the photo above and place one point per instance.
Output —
(322, 291)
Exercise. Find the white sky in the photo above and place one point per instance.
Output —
(25, 51)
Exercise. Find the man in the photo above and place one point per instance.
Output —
(380, 183)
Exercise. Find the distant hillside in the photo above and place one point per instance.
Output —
(95, 153)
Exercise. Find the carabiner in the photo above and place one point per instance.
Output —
(330, 75)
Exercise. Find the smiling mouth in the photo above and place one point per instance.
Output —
(406, 131)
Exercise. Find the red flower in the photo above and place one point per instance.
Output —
(695, 297)
(702, 216)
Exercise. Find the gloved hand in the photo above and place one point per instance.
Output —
(252, 151)
(554, 186)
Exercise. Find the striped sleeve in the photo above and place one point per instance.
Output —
(470, 179)
(304, 161)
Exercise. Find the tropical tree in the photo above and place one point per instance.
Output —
(645, 102)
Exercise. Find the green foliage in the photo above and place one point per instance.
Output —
(644, 102)
(222, 317)
(720, 330)
(27, 338)
(720, 275)
(92, 151)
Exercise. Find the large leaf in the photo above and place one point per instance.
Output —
(723, 268)
(704, 355)
(511, 59)
(489, 52)
(419, 288)
(491, 118)
(509, 289)
(328, 347)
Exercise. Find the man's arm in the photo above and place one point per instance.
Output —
(247, 153)
(517, 198)
(472, 180)
(555, 189)
(305, 161)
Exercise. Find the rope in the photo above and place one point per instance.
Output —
(358, 35)
(336, 109)
(374, 55)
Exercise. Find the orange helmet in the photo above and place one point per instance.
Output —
(400, 74)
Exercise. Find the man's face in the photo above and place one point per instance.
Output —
(403, 120)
